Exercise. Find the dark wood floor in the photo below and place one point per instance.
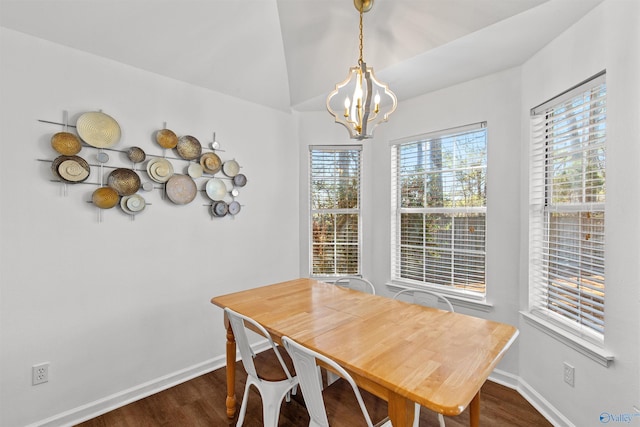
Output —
(201, 402)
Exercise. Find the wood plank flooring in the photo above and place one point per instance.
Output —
(201, 402)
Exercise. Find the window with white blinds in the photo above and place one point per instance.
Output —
(567, 208)
(335, 210)
(439, 204)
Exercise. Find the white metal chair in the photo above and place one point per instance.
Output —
(428, 298)
(356, 283)
(425, 297)
(308, 372)
(272, 392)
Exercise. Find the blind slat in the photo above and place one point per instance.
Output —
(567, 195)
(439, 200)
(334, 177)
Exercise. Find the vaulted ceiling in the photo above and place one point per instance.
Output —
(288, 54)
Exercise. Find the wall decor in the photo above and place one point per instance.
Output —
(96, 136)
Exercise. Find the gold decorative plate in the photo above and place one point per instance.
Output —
(166, 138)
(66, 143)
(125, 181)
(189, 147)
(136, 154)
(105, 197)
(210, 163)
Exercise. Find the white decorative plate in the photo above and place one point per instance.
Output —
(216, 189)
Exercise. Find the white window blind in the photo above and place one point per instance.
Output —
(335, 210)
(567, 209)
(439, 209)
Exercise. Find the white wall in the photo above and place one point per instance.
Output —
(122, 307)
(607, 38)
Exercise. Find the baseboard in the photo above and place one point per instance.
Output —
(536, 400)
(94, 409)
(117, 400)
(505, 378)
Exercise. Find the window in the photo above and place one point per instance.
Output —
(567, 208)
(439, 204)
(335, 210)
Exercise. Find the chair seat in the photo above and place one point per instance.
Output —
(268, 367)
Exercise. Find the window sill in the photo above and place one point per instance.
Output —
(479, 304)
(582, 346)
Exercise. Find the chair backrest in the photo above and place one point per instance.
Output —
(356, 283)
(307, 370)
(425, 297)
(238, 324)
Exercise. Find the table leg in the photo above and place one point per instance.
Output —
(401, 410)
(474, 411)
(231, 370)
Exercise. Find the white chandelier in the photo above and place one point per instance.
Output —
(363, 102)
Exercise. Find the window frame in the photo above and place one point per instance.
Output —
(397, 279)
(335, 211)
(542, 208)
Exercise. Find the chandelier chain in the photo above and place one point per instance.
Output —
(360, 59)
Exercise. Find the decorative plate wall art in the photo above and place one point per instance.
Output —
(71, 169)
(98, 129)
(189, 147)
(178, 168)
(210, 163)
(66, 143)
(181, 189)
(125, 181)
(166, 138)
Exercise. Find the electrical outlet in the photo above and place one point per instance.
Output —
(40, 373)
(569, 374)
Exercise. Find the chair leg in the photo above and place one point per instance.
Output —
(270, 414)
(243, 407)
(331, 377)
(271, 406)
(293, 391)
(416, 417)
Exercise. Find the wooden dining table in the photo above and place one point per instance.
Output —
(401, 352)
